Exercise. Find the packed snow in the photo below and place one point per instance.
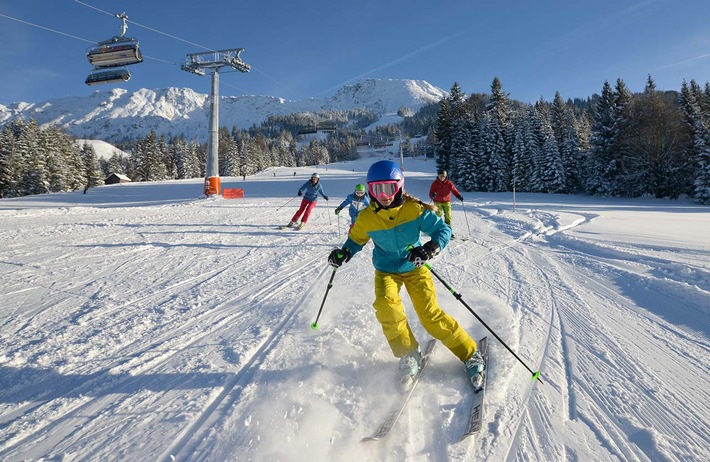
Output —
(145, 322)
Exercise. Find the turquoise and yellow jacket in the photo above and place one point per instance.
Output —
(392, 232)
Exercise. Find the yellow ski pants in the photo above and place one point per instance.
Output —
(444, 207)
(390, 313)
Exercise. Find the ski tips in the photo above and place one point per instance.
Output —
(314, 326)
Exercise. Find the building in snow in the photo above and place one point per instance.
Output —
(114, 178)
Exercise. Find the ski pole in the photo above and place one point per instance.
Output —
(315, 326)
(535, 374)
(288, 202)
(466, 217)
(338, 226)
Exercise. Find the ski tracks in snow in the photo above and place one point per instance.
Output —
(89, 410)
(590, 314)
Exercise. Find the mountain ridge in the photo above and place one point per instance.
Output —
(118, 114)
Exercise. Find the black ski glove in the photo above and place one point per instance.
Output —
(461, 198)
(300, 193)
(325, 197)
(419, 255)
(338, 210)
(339, 256)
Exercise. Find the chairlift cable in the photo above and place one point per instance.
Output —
(47, 29)
(147, 27)
(140, 25)
(186, 41)
(75, 37)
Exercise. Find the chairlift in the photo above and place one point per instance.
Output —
(116, 51)
(108, 75)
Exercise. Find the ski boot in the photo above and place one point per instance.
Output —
(475, 366)
(409, 366)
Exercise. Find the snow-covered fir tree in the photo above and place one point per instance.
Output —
(696, 105)
(94, 175)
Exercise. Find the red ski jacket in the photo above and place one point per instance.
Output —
(441, 191)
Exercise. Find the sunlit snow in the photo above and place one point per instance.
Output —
(142, 322)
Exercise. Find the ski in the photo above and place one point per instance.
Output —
(398, 407)
(475, 420)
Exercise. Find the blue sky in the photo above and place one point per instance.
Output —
(302, 49)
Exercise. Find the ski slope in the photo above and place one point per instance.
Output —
(141, 322)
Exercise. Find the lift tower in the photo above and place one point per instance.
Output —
(212, 61)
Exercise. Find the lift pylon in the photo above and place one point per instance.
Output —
(199, 63)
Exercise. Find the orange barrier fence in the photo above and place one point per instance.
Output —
(232, 193)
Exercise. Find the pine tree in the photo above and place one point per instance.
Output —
(7, 153)
(28, 163)
(607, 153)
(94, 175)
(571, 156)
(452, 109)
(553, 177)
(694, 108)
(461, 136)
(148, 160)
(521, 164)
(58, 149)
(498, 139)
(701, 182)
(468, 160)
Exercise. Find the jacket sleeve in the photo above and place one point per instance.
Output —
(455, 191)
(357, 238)
(436, 228)
(432, 190)
(320, 190)
(345, 203)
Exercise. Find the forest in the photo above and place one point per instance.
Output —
(623, 144)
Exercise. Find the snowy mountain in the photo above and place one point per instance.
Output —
(117, 114)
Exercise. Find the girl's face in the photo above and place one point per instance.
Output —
(385, 202)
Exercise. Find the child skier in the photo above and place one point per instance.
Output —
(357, 201)
(440, 192)
(309, 191)
(394, 221)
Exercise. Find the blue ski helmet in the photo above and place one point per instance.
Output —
(386, 170)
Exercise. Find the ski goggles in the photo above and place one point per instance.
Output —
(359, 193)
(384, 189)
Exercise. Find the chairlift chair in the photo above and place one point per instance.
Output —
(108, 75)
(116, 51)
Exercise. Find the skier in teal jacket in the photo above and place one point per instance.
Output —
(394, 222)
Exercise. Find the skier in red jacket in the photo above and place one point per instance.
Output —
(440, 192)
